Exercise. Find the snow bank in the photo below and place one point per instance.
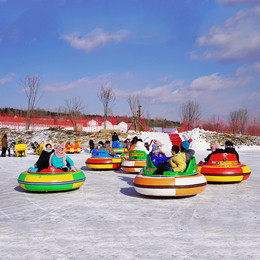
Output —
(162, 137)
(198, 142)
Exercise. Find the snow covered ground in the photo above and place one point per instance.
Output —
(107, 219)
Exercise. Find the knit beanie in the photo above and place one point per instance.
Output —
(155, 149)
(186, 144)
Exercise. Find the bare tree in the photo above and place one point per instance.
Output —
(107, 96)
(74, 108)
(238, 119)
(31, 86)
(190, 111)
(257, 116)
(135, 102)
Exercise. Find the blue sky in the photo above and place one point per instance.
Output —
(167, 51)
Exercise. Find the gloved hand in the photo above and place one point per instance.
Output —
(31, 169)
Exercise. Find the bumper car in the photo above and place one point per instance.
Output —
(73, 148)
(137, 160)
(118, 147)
(102, 160)
(224, 168)
(51, 179)
(125, 155)
(20, 150)
(170, 184)
(40, 149)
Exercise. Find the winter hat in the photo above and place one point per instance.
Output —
(186, 144)
(215, 146)
(155, 149)
(228, 143)
(139, 146)
(157, 143)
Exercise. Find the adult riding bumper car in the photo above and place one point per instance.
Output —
(224, 168)
(102, 160)
(169, 184)
(51, 179)
(41, 147)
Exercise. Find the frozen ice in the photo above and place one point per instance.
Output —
(107, 219)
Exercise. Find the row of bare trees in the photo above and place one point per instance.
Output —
(191, 111)
(74, 107)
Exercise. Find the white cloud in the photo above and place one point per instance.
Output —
(238, 2)
(86, 82)
(164, 79)
(202, 88)
(128, 74)
(61, 87)
(7, 78)
(256, 67)
(254, 96)
(252, 69)
(95, 39)
(238, 39)
(215, 82)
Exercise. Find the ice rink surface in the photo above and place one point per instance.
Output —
(107, 219)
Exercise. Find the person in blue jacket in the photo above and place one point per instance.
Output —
(157, 157)
(60, 160)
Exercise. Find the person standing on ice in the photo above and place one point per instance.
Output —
(189, 153)
(115, 137)
(4, 145)
(60, 160)
(10, 147)
(91, 145)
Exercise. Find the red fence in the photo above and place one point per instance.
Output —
(94, 123)
(222, 126)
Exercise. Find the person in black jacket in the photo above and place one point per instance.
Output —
(91, 145)
(230, 149)
(43, 161)
(115, 137)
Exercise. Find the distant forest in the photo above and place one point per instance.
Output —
(157, 122)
